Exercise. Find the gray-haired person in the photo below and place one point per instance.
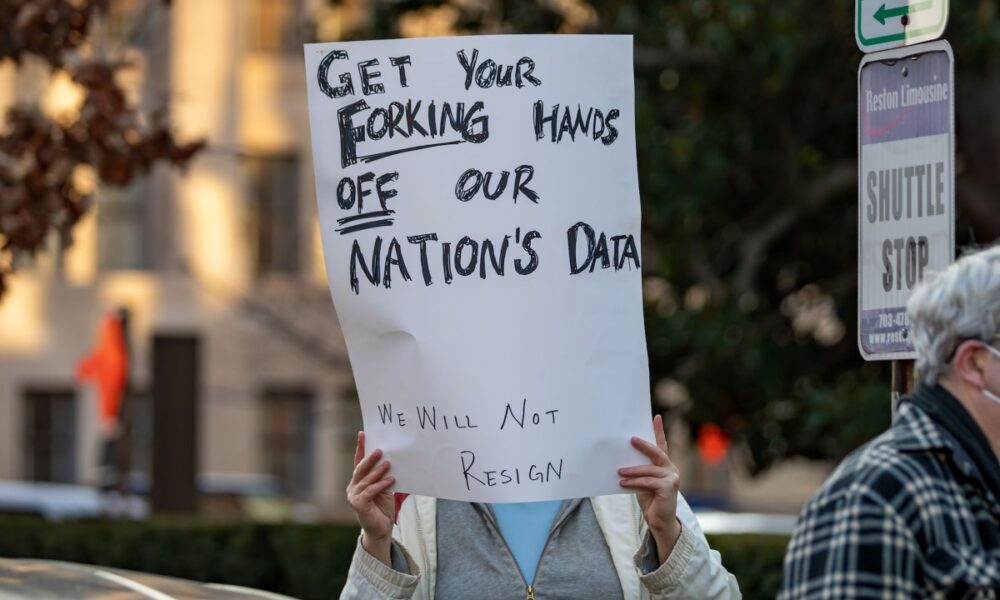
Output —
(915, 513)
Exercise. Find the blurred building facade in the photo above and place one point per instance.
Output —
(226, 255)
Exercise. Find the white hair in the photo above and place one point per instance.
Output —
(953, 305)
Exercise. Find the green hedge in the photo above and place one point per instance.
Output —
(304, 561)
(755, 560)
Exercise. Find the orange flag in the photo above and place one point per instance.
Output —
(713, 443)
(106, 366)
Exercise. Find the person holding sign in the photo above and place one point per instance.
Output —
(479, 207)
(916, 512)
(643, 546)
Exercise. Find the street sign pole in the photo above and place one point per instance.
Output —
(906, 191)
(902, 382)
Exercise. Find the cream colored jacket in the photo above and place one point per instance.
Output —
(692, 571)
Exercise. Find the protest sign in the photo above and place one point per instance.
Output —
(479, 206)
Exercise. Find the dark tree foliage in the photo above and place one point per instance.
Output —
(747, 144)
(39, 155)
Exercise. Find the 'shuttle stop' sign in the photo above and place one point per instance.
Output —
(479, 207)
(906, 196)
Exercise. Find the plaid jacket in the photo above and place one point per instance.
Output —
(905, 516)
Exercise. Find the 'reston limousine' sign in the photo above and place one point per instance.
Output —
(479, 206)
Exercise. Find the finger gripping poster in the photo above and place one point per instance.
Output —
(479, 206)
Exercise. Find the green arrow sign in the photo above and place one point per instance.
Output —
(885, 24)
(883, 13)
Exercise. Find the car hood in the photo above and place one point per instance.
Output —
(38, 579)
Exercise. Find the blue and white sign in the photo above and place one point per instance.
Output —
(906, 191)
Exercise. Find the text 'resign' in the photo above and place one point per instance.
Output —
(479, 206)
(886, 24)
(906, 191)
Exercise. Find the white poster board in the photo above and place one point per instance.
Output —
(479, 206)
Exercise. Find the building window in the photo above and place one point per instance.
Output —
(121, 26)
(141, 460)
(274, 197)
(287, 438)
(50, 436)
(274, 25)
(123, 232)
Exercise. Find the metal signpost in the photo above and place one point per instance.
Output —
(906, 195)
(885, 24)
(906, 172)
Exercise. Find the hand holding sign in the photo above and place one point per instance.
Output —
(658, 484)
(373, 506)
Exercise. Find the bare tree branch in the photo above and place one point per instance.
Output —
(835, 180)
(269, 317)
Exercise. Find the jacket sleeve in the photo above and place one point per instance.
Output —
(371, 579)
(693, 570)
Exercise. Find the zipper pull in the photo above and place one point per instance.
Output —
(531, 593)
